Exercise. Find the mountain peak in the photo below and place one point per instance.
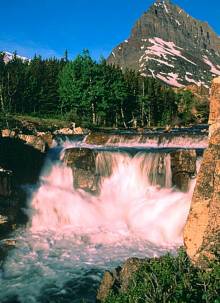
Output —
(168, 44)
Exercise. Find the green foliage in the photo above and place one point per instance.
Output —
(172, 280)
(91, 93)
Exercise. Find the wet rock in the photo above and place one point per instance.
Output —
(183, 166)
(97, 138)
(83, 164)
(5, 182)
(119, 279)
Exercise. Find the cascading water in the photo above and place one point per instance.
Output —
(74, 235)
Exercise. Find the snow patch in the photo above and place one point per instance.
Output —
(177, 21)
(214, 70)
(171, 79)
(162, 62)
(113, 54)
(152, 73)
(161, 48)
(166, 9)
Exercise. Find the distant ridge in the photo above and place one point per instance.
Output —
(9, 56)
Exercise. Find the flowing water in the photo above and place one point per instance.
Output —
(73, 236)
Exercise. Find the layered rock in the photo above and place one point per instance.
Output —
(168, 44)
(202, 230)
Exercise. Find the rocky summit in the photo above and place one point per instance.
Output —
(168, 44)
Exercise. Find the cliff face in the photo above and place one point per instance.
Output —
(202, 230)
(168, 44)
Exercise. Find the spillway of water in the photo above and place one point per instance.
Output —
(73, 235)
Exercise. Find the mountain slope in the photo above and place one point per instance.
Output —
(168, 44)
(9, 56)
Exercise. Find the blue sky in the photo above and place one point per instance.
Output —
(48, 27)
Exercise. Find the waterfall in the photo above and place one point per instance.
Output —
(74, 235)
(135, 201)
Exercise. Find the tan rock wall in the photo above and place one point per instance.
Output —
(202, 230)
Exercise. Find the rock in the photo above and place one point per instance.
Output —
(35, 141)
(47, 137)
(183, 167)
(203, 223)
(202, 230)
(3, 219)
(106, 286)
(97, 138)
(5, 182)
(83, 163)
(78, 131)
(8, 133)
(214, 116)
(119, 279)
(22, 159)
(64, 131)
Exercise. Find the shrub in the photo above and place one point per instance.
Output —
(170, 280)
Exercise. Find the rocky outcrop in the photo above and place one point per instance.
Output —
(41, 140)
(183, 167)
(202, 230)
(168, 44)
(83, 164)
(118, 280)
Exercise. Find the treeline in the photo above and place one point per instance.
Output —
(89, 93)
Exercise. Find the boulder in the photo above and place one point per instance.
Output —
(183, 167)
(83, 164)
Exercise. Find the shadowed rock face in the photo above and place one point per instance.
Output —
(5, 183)
(183, 166)
(168, 44)
(202, 230)
(82, 162)
(23, 160)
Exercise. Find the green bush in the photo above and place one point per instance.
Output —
(170, 280)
